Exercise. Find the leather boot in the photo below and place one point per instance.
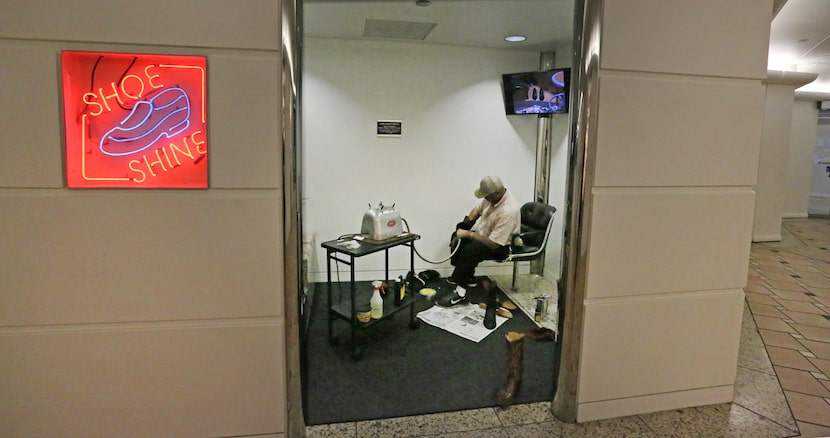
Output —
(515, 349)
(490, 310)
(541, 334)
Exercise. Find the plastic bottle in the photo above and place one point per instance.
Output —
(376, 302)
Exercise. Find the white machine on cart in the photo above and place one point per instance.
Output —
(381, 223)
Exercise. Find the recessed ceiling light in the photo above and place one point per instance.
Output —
(423, 2)
(515, 38)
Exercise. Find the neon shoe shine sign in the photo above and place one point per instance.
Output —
(135, 120)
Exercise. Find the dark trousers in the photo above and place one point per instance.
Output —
(470, 254)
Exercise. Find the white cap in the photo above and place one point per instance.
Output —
(488, 185)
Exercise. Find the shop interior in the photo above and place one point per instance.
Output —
(403, 104)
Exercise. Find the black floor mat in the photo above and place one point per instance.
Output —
(405, 371)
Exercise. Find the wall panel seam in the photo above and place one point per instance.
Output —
(209, 193)
(651, 394)
(627, 299)
(66, 43)
(698, 188)
(98, 327)
(605, 72)
(123, 46)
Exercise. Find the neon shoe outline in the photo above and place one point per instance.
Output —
(147, 123)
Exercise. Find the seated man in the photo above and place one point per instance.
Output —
(484, 235)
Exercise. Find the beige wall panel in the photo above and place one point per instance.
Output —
(144, 382)
(244, 118)
(206, 23)
(641, 346)
(649, 241)
(644, 35)
(654, 403)
(244, 121)
(686, 131)
(31, 125)
(112, 256)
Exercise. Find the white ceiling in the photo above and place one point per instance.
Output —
(799, 33)
(800, 41)
(475, 23)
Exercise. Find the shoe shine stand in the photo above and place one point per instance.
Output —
(346, 251)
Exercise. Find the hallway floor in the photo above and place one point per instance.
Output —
(783, 377)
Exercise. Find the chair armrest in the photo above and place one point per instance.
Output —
(516, 242)
(532, 237)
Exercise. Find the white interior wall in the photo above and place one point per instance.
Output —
(800, 160)
(137, 313)
(454, 132)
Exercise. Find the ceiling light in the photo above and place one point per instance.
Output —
(423, 2)
(515, 38)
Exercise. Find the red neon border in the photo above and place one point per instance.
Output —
(86, 73)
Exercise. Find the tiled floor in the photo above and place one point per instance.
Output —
(788, 293)
(782, 387)
(529, 287)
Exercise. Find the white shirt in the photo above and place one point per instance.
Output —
(501, 221)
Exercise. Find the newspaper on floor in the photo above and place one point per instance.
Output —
(466, 321)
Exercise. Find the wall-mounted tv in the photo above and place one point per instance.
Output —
(537, 92)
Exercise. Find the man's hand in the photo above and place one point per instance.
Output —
(464, 234)
(460, 234)
(472, 235)
(466, 224)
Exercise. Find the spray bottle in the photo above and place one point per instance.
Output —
(376, 302)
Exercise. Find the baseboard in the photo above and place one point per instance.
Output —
(653, 403)
(766, 238)
(794, 215)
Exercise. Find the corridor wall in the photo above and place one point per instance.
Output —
(137, 313)
(669, 215)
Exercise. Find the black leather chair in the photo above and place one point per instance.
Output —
(537, 221)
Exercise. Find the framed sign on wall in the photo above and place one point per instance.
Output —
(135, 120)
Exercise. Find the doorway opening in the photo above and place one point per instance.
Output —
(437, 75)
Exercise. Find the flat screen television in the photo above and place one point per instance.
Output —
(537, 92)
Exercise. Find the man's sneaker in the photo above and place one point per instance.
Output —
(452, 300)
